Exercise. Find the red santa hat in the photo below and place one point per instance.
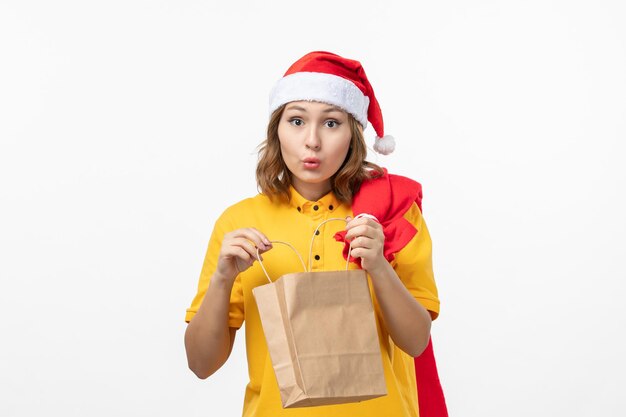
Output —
(328, 78)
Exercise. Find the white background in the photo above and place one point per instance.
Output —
(126, 127)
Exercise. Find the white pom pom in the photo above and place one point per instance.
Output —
(384, 145)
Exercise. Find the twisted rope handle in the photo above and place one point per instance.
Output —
(258, 257)
(315, 234)
(358, 216)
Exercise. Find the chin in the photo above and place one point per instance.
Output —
(314, 177)
(309, 177)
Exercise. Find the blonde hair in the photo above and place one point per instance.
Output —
(274, 179)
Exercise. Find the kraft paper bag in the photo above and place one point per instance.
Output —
(321, 336)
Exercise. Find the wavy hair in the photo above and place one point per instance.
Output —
(274, 178)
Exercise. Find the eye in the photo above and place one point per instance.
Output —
(332, 123)
(296, 122)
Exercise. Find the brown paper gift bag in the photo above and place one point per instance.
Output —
(321, 335)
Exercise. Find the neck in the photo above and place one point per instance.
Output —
(311, 192)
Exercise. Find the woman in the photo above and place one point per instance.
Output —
(312, 167)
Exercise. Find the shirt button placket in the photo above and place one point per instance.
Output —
(317, 215)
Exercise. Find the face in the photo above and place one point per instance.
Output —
(314, 141)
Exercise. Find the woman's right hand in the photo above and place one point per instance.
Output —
(238, 251)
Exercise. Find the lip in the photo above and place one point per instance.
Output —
(311, 163)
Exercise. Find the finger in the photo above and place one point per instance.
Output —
(359, 252)
(255, 236)
(240, 256)
(261, 237)
(246, 245)
(360, 230)
(363, 221)
(363, 242)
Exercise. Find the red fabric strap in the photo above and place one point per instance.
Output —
(388, 197)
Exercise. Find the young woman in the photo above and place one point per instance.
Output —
(312, 167)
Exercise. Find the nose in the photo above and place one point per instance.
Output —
(313, 140)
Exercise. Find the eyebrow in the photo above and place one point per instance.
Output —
(328, 110)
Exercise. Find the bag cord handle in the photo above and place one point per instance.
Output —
(258, 256)
(315, 234)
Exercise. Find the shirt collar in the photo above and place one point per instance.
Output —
(328, 202)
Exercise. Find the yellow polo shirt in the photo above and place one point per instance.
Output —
(295, 222)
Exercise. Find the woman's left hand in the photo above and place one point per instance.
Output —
(368, 241)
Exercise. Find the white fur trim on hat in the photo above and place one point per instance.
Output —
(384, 145)
(322, 87)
